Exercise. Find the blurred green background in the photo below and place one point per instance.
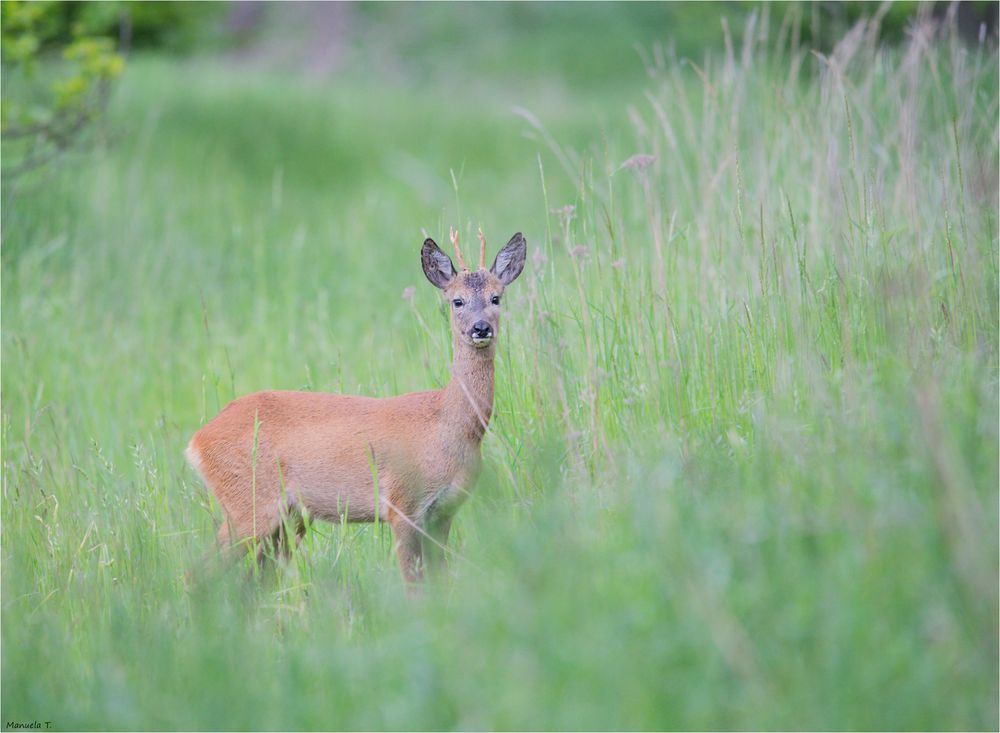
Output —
(743, 466)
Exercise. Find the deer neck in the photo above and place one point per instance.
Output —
(468, 398)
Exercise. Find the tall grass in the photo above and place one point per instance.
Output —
(743, 465)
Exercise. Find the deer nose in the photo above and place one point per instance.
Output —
(482, 330)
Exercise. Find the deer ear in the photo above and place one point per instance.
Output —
(437, 265)
(510, 260)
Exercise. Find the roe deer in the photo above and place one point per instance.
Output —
(269, 455)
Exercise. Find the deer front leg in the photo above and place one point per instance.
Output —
(408, 548)
(435, 542)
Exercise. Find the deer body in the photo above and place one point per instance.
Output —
(332, 455)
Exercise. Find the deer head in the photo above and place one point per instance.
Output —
(474, 297)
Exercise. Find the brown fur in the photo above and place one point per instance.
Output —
(317, 451)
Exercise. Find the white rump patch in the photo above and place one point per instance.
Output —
(193, 456)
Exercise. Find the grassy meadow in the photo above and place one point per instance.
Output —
(743, 466)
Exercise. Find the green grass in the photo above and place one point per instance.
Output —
(743, 466)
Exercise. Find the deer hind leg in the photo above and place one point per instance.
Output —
(256, 507)
(279, 529)
(239, 532)
(251, 518)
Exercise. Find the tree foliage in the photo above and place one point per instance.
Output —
(45, 106)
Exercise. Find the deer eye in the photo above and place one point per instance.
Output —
(458, 302)
(495, 300)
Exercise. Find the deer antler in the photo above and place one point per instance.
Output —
(458, 253)
(482, 249)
